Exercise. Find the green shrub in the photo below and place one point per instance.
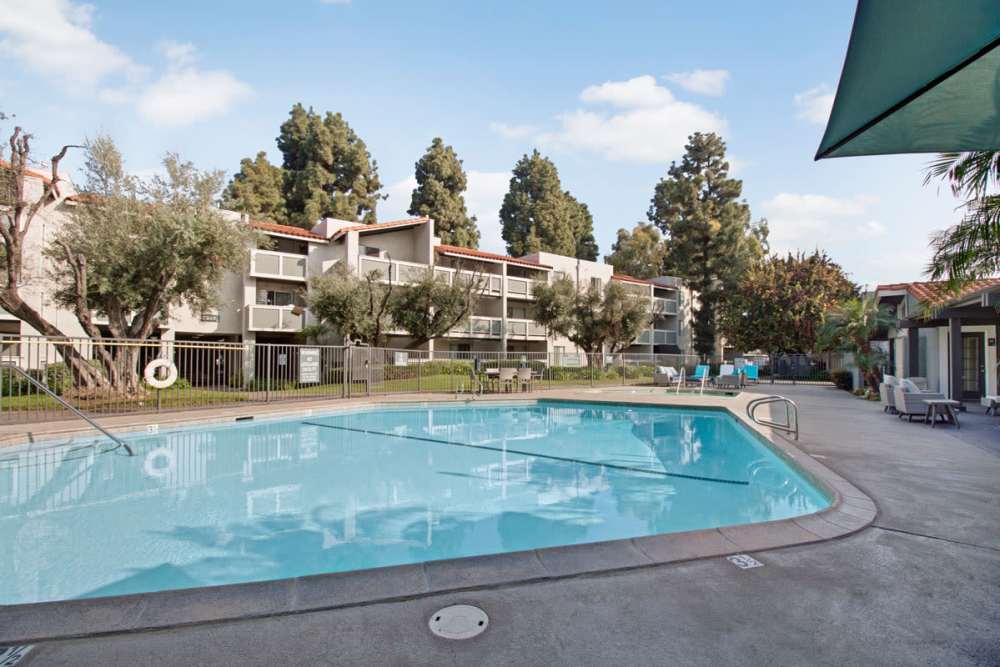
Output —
(843, 379)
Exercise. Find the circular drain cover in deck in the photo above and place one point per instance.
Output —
(459, 621)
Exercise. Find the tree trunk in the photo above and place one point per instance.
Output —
(85, 376)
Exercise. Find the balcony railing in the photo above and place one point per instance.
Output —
(520, 288)
(664, 337)
(479, 327)
(281, 265)
(656, 337)
(525, 329)
(274, 318)
(664, 306)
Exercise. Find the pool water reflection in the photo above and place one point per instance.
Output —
(255, 501)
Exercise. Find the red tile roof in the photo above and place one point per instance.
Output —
(378, 226)
(45, 178)
(470, 252)
(629, 279)
(938, 292)
(287, 230)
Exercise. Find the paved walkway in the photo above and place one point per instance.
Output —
(920, 587)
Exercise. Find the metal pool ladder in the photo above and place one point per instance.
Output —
(791, 423)
(41, 386)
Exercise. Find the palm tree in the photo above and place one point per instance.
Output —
(970, 249)
(850, 327)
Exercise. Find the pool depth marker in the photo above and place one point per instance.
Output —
(535, 454)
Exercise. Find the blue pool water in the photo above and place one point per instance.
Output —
(251, 501)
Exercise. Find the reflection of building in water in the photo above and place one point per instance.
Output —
(506, 471)
(583, 485)
(75, 475)
(274, 500)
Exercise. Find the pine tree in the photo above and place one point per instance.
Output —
(438, 195)
(328, 169)
(257, 189)
(583, 228)
(639, 253)
(538, 216)
(710, 240)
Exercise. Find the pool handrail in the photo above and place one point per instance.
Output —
(41, 386)
(791, 424)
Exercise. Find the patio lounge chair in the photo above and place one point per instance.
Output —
(909, 399)
(992, 404)
(751, 373)
(700, 373)
(665, 375)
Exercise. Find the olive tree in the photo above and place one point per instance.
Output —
(134, 250)
(356, 307)
(431, 306)
(592, 318)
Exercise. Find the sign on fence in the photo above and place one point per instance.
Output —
(309, 365)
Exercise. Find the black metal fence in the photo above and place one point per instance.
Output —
(119, 376)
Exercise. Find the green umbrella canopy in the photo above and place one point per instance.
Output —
(921, 76)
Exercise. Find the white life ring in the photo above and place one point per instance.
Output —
(152, 466)
(150, 373)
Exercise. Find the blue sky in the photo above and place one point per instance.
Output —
(608, 90)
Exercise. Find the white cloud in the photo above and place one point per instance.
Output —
(704, 81)
(807, 221)
(508, 131)
(814, 105)
(54, 37)
(642, 91)
(483, 196)
(652, 126)
(185, 94)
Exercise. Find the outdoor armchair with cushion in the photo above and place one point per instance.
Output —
(887, 397)
(727, 377)
(665, 375)
(752, 373)
(909, 400)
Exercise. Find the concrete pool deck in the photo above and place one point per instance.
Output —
(922, 585)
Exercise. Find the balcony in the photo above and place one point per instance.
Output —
(277, 265)
(656, 337)
(525, 330)
(493, 284)
(664, 337)
(520, 288)
(664, 306)
(479, 327)
(274, 318)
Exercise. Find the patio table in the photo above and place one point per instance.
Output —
(944, 408)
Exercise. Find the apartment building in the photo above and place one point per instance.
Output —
(267, 303)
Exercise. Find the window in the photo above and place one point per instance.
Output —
(595, 283)
(371, 251)
(209, 316)
(10, 348)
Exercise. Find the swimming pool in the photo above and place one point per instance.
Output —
(370, 487)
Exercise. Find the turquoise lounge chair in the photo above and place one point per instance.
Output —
(750, 372)
(700, 373)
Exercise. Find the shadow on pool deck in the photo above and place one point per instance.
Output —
(921, 586)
